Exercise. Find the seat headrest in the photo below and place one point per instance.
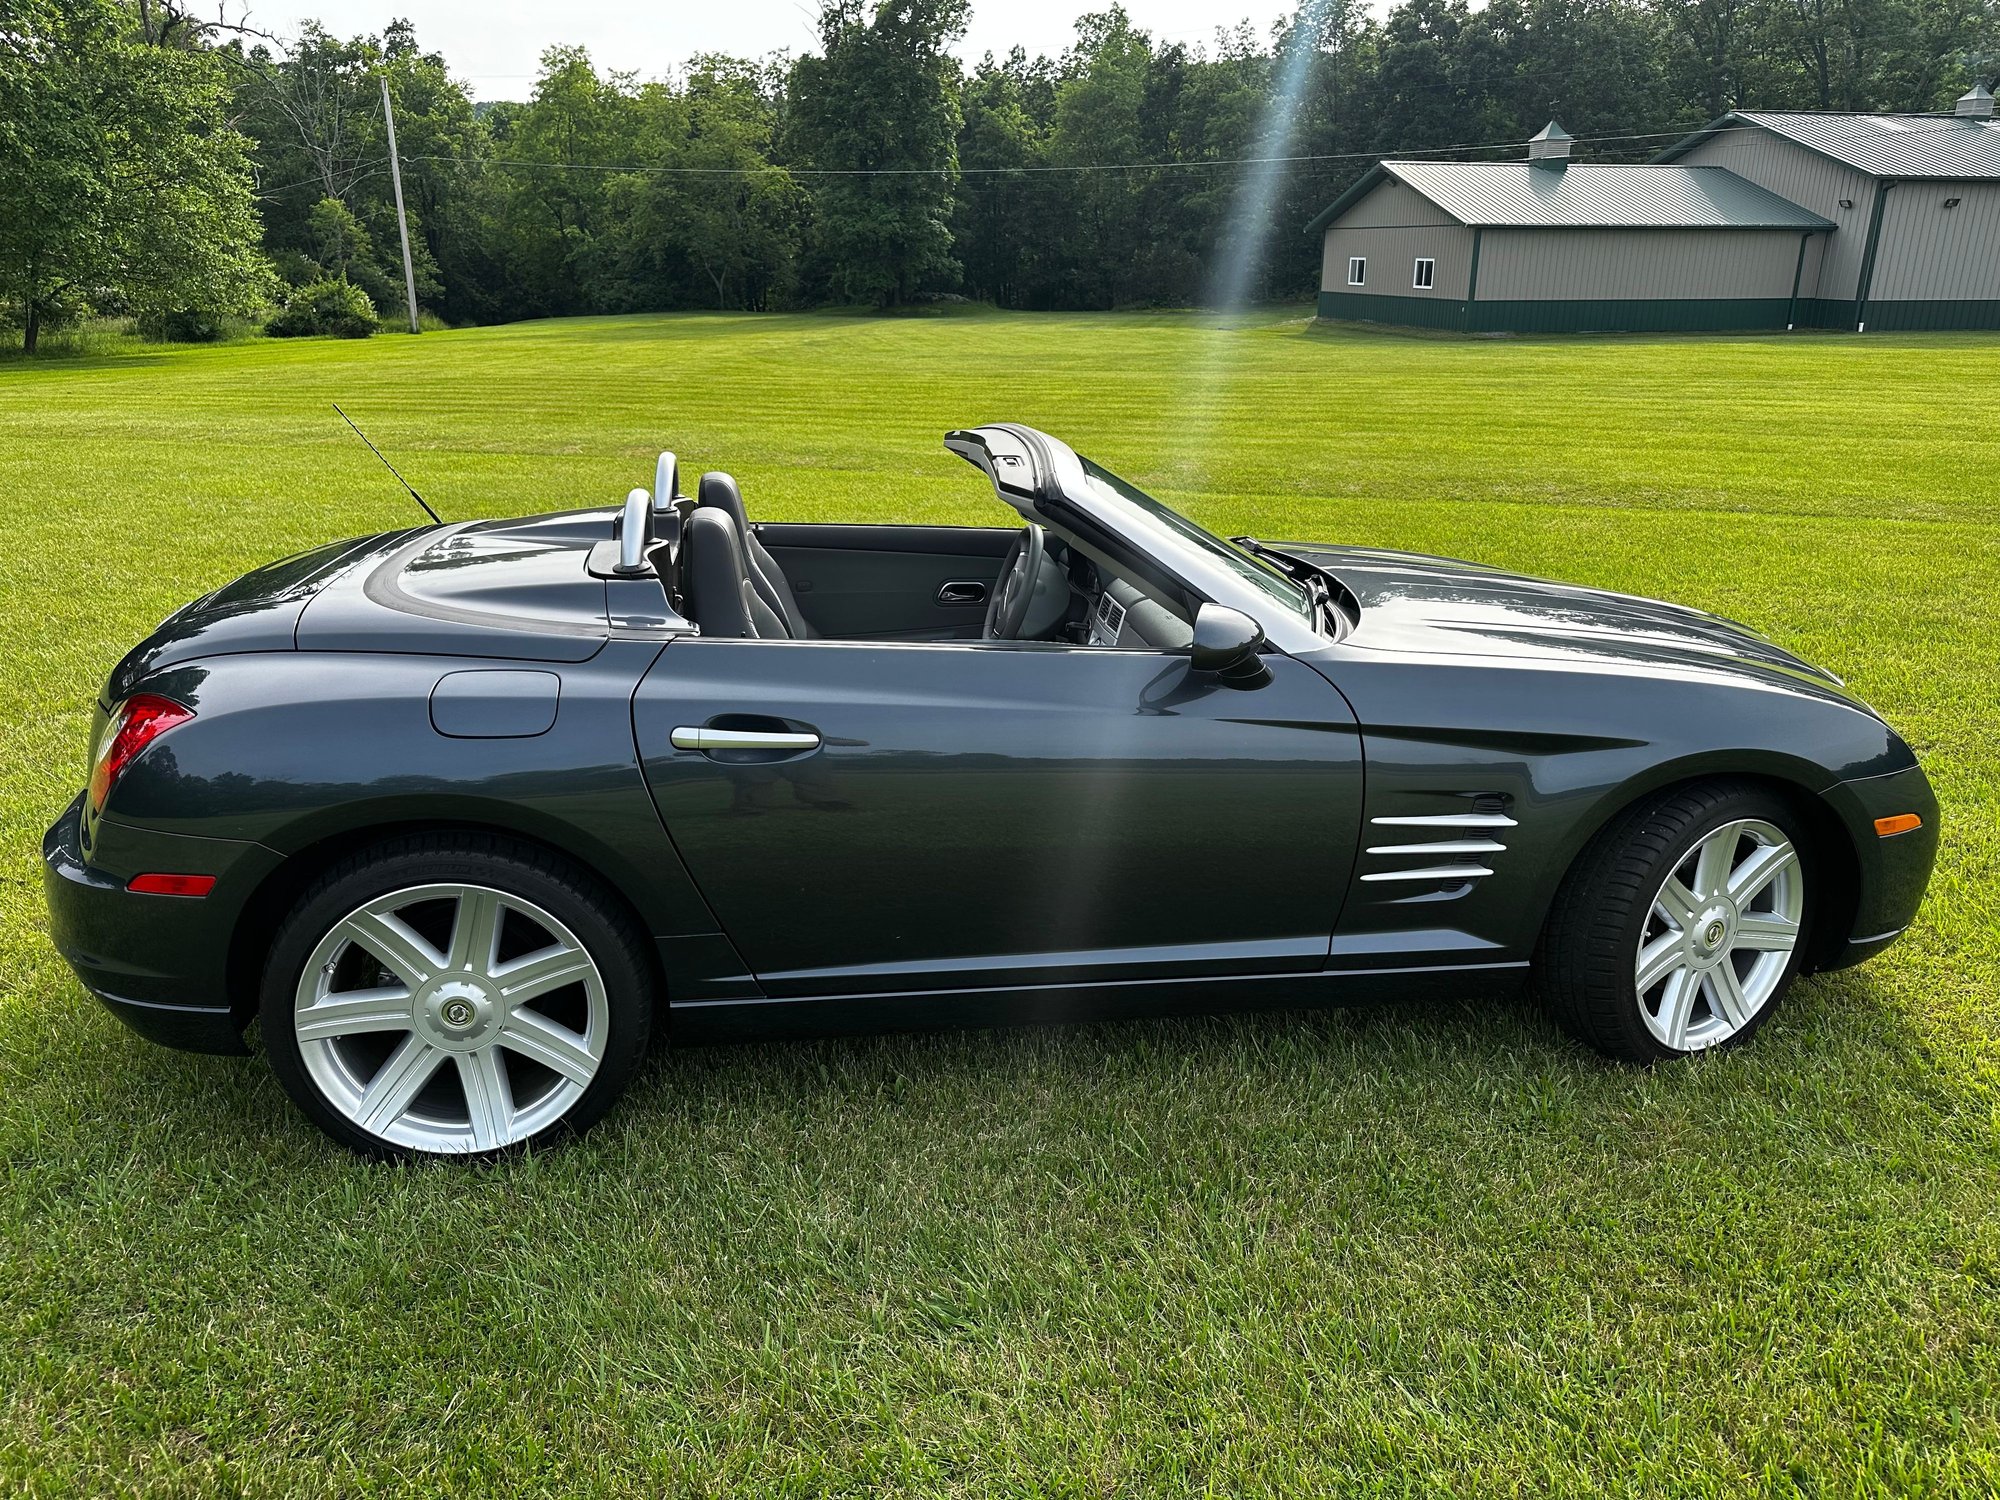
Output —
(712, 574)
(715, 581)
(720, 490)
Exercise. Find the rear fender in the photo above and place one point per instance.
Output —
(291, 751)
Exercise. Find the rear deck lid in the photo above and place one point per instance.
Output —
(521, 589)
(257, 612)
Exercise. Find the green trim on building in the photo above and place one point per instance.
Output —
(1867, 281)
(1826, 312)
(1938, 316)
(1409, 312)
(1682, 315)
(1927, 317)
(1472, 276)
(1798, 279)
(1687, 315)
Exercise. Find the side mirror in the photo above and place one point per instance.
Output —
(1226, 642)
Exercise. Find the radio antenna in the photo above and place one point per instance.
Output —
(435, 517)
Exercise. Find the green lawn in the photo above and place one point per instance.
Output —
(1400, 1250)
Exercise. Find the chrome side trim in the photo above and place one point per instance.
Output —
(1436, 874)
(1448, 846)
(1449, 820)
(688, 738)
(1293, 976)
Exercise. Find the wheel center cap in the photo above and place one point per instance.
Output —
(1711, 932)
(458, 1012)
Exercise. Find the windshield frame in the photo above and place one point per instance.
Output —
(1045, 480)
(1284, 590)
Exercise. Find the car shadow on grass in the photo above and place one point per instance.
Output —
(1442, 1072)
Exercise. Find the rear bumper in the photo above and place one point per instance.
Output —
(159, 963)
(1894, 871)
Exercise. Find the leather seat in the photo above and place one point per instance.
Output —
(716, 583)
(721, 491)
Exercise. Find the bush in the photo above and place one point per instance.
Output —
(387, 295)
(189, 327)
(296, 268)
(336, 307)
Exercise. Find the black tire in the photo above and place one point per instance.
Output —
(599, 924)
(1584, 965)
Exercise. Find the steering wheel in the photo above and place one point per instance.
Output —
(1007, 611)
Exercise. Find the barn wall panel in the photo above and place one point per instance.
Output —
(1809, 180)
(1595, 265)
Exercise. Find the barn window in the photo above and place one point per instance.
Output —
(1357, 270)
(1426, 273)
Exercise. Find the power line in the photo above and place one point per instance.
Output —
(379, 164)
(643, 169)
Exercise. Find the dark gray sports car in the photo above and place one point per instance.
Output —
(468, 815)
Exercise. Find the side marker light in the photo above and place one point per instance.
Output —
(171, 885)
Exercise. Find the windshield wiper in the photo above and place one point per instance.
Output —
(1317, 589)
(1321, 593)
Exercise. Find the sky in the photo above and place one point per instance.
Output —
(493, 45)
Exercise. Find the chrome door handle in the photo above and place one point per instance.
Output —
(689, 738)
(962, 591)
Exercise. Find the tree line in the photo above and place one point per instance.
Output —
(184, 170)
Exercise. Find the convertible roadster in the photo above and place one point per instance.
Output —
(469, 815)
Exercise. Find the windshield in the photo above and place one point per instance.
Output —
(1253, 570)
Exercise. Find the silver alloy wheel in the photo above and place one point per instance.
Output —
(490, 982)
(1719, 935)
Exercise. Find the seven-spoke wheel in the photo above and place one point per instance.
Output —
(1679, 928)
(452, 1000)
(1720, 935)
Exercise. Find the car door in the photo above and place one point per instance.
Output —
(990, 814)
(872, 582)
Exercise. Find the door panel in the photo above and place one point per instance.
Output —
(987, 814)
(856, 582)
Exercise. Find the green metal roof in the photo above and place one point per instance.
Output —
(1928, 146)
(1527, 195)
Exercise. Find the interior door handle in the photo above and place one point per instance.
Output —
(690, 738)
(962, 591)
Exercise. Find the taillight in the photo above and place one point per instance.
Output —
(137, 722)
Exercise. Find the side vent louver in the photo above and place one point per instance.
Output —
(1454, 855)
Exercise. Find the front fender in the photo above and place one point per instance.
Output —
(1559, 752)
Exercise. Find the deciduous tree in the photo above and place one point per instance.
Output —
(121, 182)
(878, 115)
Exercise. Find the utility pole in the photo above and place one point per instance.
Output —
(402, 219)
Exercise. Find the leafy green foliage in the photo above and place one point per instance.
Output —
(337, 307)
(121, 181)
(185, 327)
(338, 236)
(878, 113)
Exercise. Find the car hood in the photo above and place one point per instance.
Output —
(1442, 606)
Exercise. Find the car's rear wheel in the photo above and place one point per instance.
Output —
(1682, 925)
(455, 995)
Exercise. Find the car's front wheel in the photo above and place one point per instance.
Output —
(1681, 926)
(455, 995)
